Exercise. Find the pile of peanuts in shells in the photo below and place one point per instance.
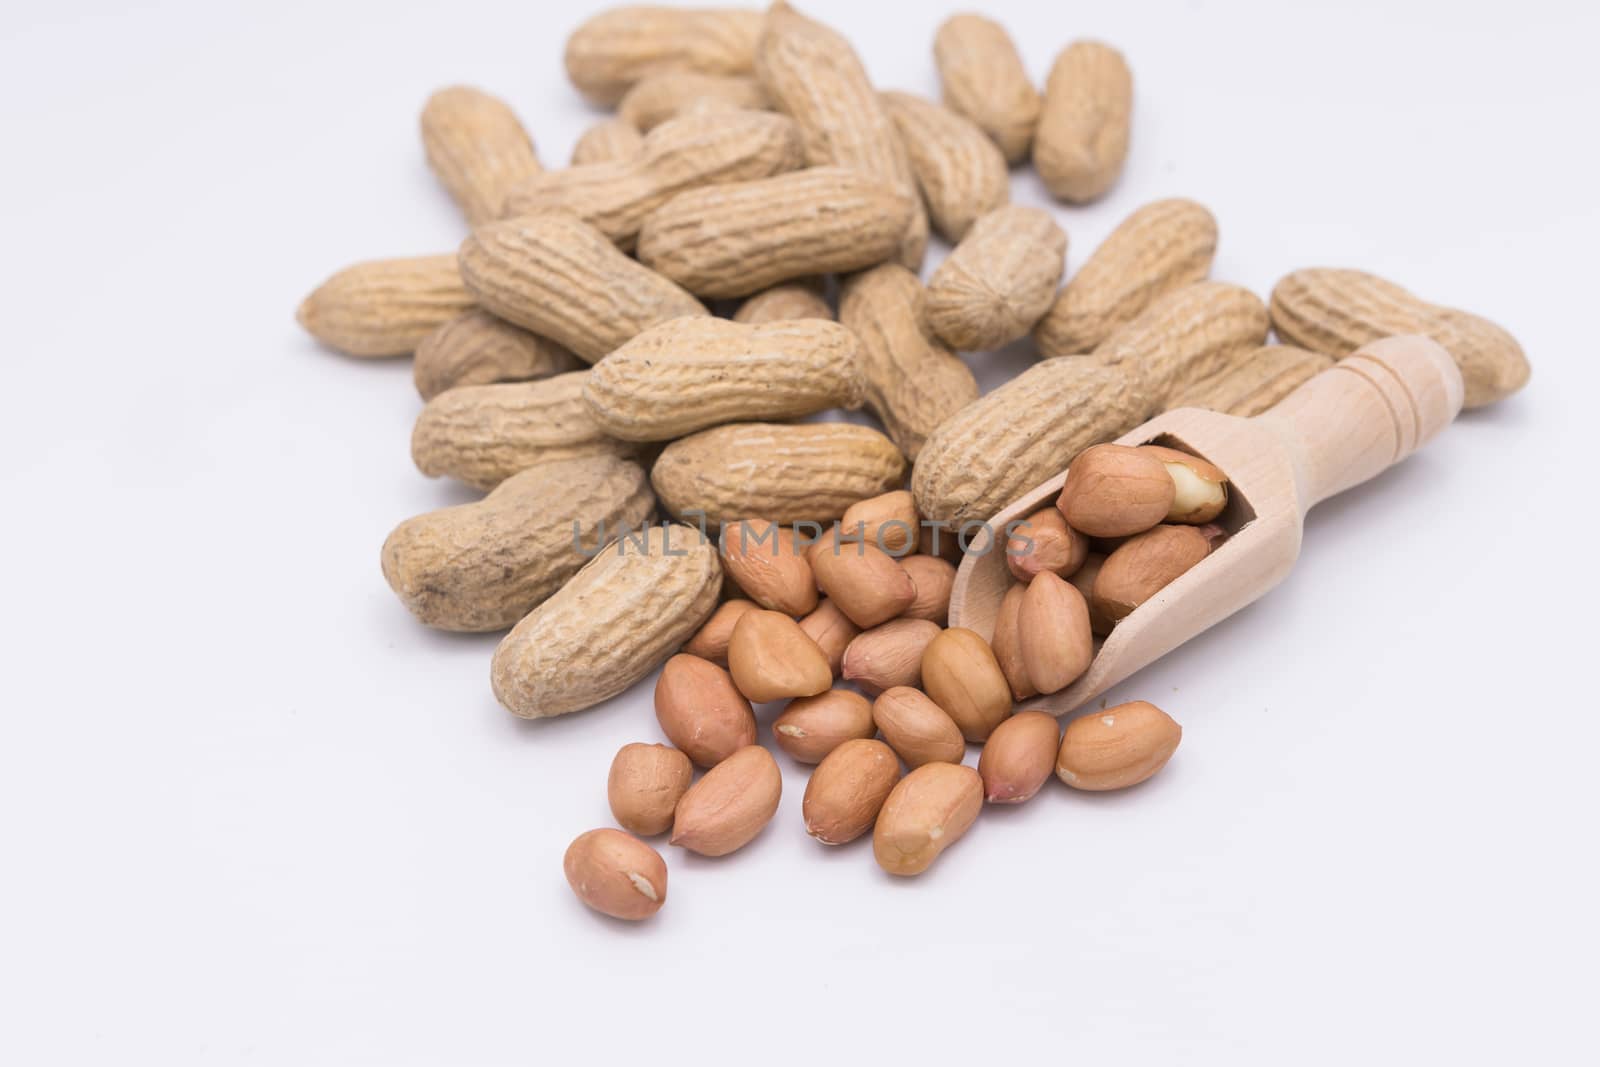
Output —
(575, 369)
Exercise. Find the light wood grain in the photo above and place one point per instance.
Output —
(1346, 425)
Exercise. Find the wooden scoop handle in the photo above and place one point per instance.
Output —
(1366, 413)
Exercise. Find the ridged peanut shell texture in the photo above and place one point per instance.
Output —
(999, 280)
(1020, 434)
(927, 812)
(664, 96)
(477, 147)
(812, 74)
(1191, 333)
(1335, 312)
(621, 46)
(1160, 247)
(1082, 138)
(616, 874)
(737, 238)
(482, 566)
(914, 382)
(692, 373)
(847, 790)
(476, 348)
(786, 473)
(384, 307)
(984, 79)
(559, 277)
(1028, 429)
(484, 434)
(1256, 382)
(608, 141)
(791, 300)
(961, 173)
(613, 623)
(685, 153)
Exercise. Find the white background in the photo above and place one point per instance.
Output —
(252, 813)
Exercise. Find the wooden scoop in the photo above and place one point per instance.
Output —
(1349, 423)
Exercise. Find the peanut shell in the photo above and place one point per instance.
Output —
(559, 277)
(786, 473)
(665, 95)
(608, 141)
(1256, 382)
(984, 79)
(1162, 246)
(961, 173)
(614, 622)
(1082, 138)
(688, 374)
(614, 50)
(482, 566)
(484, 434)
(476, 348)
(384, 307)
(999, 280)
(914, 383)
(813, 75)
(782, 303)
(736, 238)
(1335, 312)
(686, 153)
(477, 147)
